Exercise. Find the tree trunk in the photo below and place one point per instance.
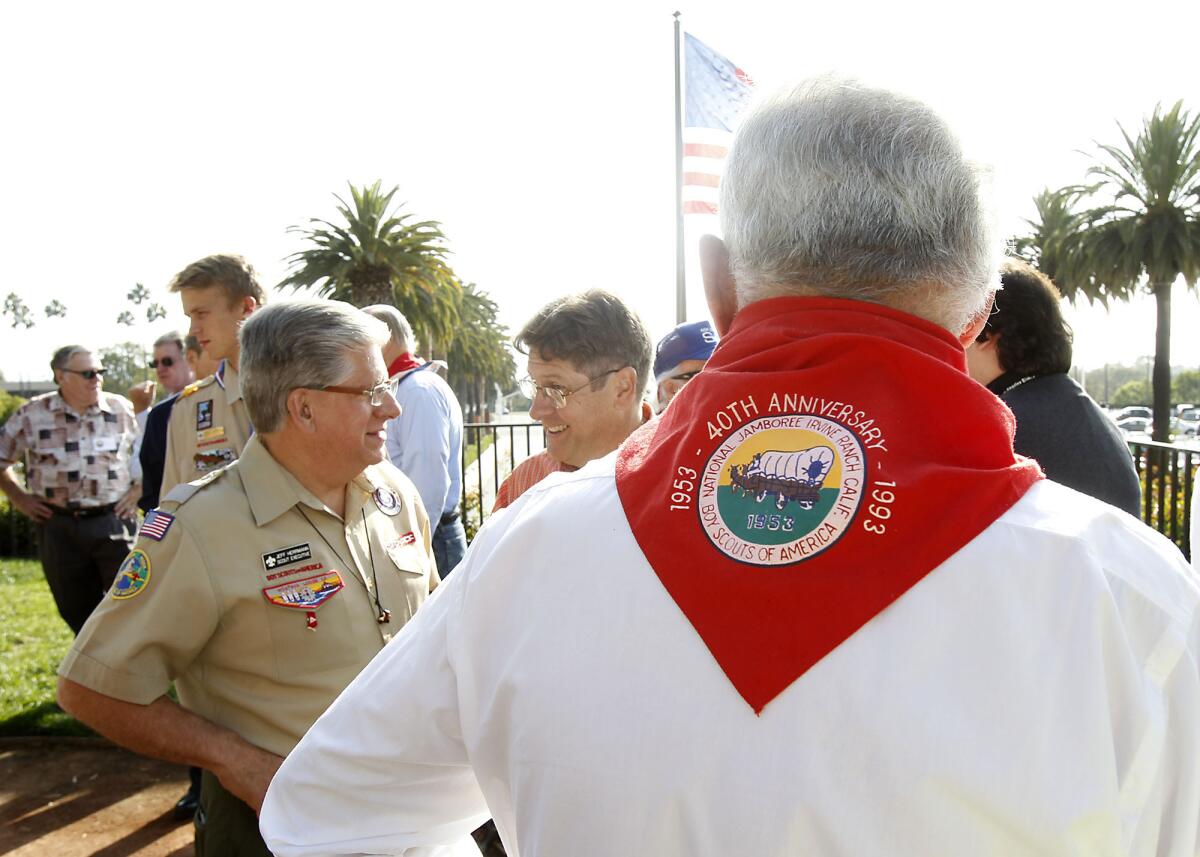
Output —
(1161, 383)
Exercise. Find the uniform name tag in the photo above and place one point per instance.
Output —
(105, 444)
(405, 540)
(286, 556)
(204, 415)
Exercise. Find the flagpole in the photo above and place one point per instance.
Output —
(680, 278)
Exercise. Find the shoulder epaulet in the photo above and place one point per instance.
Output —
(184, 491)
(197, 385)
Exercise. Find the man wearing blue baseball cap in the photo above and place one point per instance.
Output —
(680, 355)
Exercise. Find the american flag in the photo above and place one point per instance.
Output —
(156, 525)
(716, 91)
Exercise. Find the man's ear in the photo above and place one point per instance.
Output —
(299, 409)
(719, 287)
(971, 332)
(249, 305)
(626, 381)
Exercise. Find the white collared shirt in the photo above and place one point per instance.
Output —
(1037, 693)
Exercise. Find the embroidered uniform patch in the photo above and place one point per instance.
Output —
(156, 525)
(204, 415)
(307, 594)
(133, 576)
(782, 489)
(206, 461)
(286, 556)
(292, 572)
(387, 501)
(210, 436)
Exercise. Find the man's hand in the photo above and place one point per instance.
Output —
(127, 506)
(249, 774)
(142, 395)
(31, 506)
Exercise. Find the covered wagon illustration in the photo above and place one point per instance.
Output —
(789, 476)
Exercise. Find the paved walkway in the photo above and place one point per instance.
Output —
(84, 797)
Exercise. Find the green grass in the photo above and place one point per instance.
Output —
(472, 451)
(33, 639)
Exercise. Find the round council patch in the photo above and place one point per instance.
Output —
(133, 575)
(387, 501)
(786, 489)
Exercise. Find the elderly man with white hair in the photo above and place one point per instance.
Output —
(81, 486)
(425, 440)
(263, 588)
(819, 606)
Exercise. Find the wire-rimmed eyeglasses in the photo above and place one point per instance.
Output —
(377, 395)
(557, 395)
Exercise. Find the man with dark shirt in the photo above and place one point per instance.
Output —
(154, 439)
(1023, 355)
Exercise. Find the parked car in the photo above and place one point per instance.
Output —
(1135, 425)
(1133, 411)
(1189, 422)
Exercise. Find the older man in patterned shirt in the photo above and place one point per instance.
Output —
(79, 490)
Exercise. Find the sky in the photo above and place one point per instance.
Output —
(138, 137)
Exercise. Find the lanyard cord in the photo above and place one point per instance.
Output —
(382, 615)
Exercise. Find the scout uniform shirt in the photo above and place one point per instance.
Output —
(256, 600)
(209, 428)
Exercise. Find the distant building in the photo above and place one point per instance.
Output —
(28, 389)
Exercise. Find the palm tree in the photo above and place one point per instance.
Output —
(479, 355)
(1137, 225)
(380, 256)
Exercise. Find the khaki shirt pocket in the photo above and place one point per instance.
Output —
(406, 554)
(310, 637)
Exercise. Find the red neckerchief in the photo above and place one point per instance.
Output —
(831, 454)
(403, 363)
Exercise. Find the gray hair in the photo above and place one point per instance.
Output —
(397, 324)
(835, 189)
(306, 343)
(173, 337)
(63, 356)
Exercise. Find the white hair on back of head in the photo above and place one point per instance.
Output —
(397, 325)
(836, 189)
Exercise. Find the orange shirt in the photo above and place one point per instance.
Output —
(525, 475)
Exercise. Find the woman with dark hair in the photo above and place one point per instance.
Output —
(1023, 355)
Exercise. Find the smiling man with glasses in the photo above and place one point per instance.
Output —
(77, 444)
(589, 360)
(262, 589)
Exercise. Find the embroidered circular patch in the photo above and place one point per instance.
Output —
(387, 501)
(782, 489)
(133, 575)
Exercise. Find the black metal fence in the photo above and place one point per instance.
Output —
(490, 452)
(1167, 474)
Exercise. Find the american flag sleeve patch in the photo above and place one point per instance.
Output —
(156, 525)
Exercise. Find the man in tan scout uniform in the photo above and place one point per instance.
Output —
(261, 590)
(209, 426)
